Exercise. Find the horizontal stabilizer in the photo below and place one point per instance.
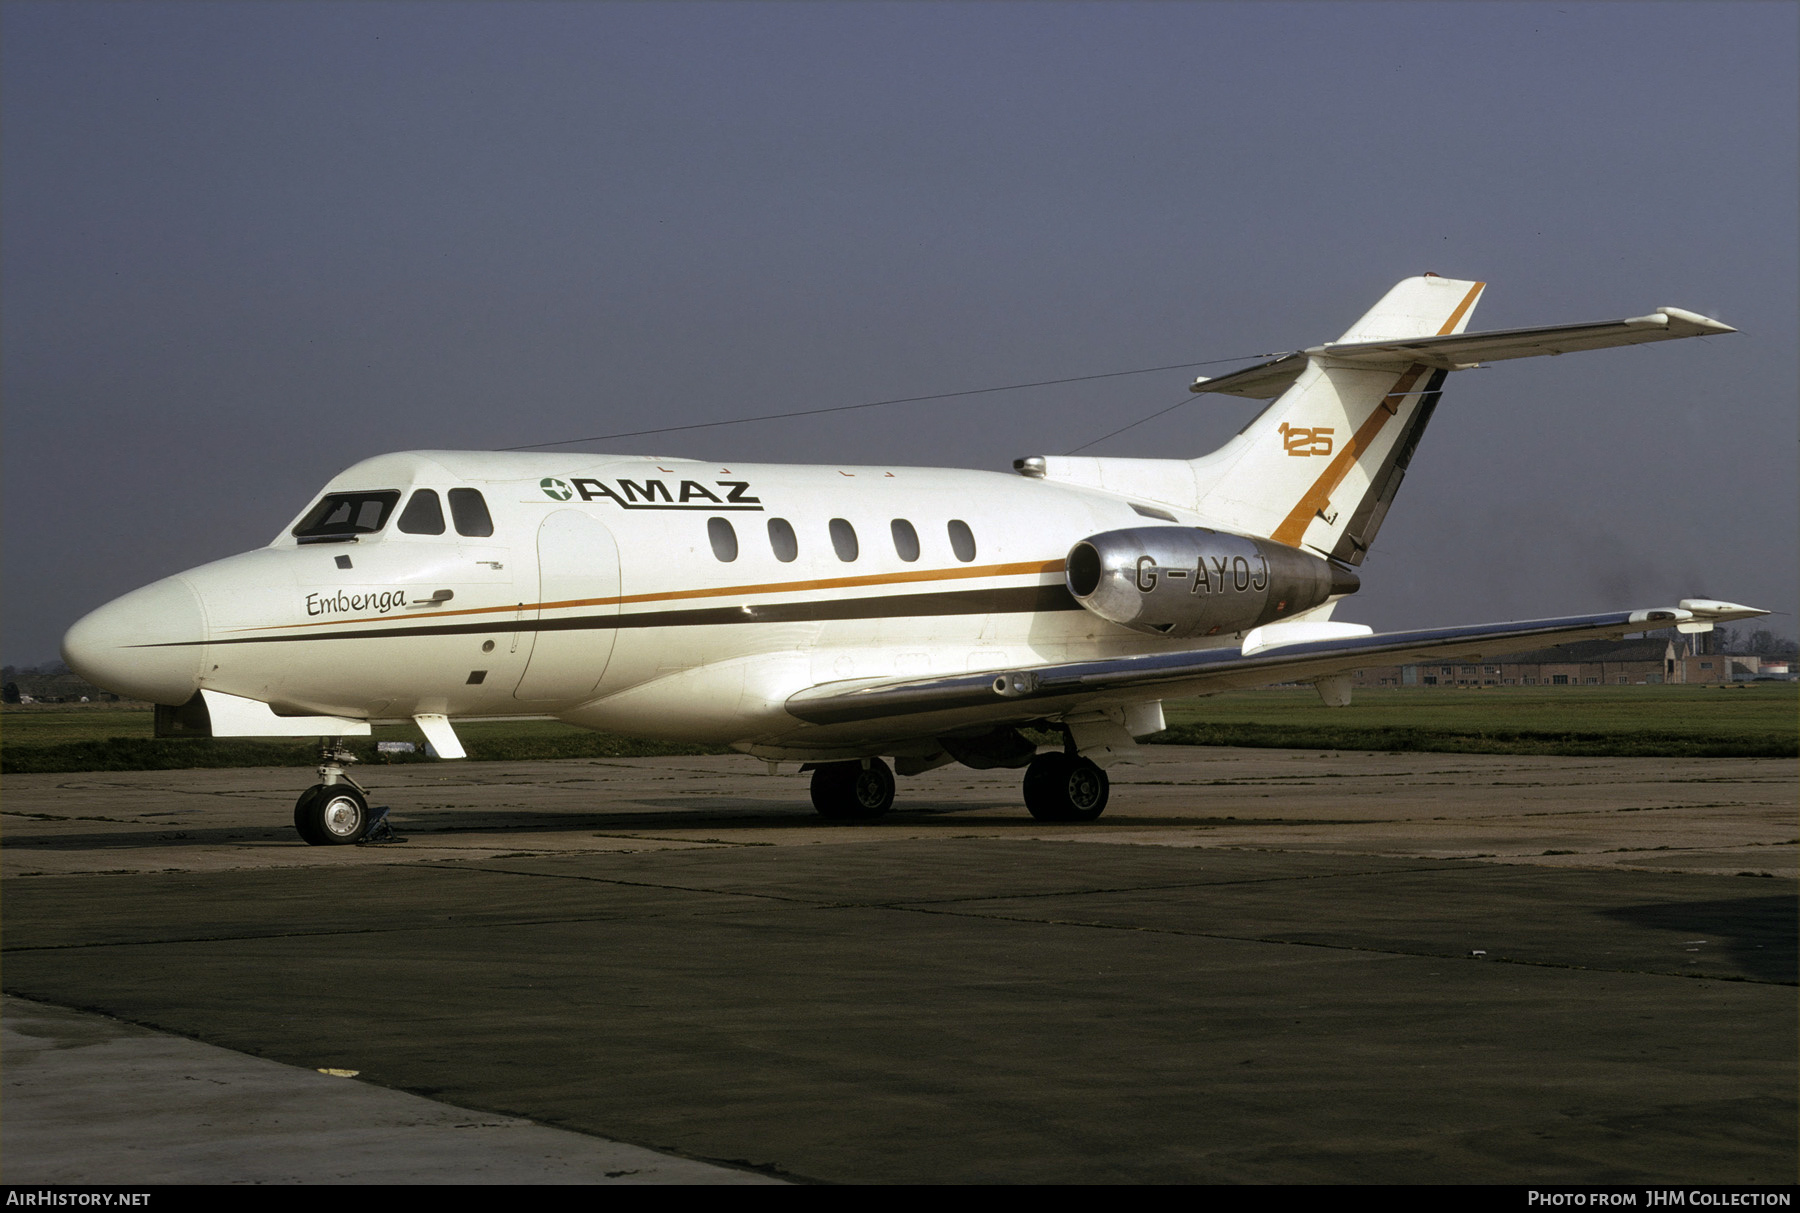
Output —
(1459, 351)
(1259, 382)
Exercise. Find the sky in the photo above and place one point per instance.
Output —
(245, 245)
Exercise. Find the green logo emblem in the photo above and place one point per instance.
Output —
(555, 489)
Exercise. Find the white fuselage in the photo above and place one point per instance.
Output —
(601, 598)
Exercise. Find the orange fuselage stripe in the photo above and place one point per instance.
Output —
(1316, 498)
(774, 587)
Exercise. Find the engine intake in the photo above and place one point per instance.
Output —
(1191, 581)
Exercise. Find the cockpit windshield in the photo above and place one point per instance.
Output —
(345, 516)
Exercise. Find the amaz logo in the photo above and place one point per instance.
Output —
(655, 494)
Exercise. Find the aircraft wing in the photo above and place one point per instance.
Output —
(1048, 690)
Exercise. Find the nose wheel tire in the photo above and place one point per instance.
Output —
(851, 791)
(331, 815)
(1062, 787)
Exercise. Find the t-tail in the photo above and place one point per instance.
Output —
(1319, 468)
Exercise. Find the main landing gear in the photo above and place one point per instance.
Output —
(1058, 787)
(335, 811)
(1065, 787)
(860, 789)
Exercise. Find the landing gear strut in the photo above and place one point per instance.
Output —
(1065, 787)
(862, 789)
(335, 811)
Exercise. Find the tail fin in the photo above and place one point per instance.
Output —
(1320, 466)
(1427, 306)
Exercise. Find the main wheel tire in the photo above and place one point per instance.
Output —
(305, 820)
(849, 790)
(829, 795)
(1062, 787)
(331, 815)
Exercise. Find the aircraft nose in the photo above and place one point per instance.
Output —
(148, 644)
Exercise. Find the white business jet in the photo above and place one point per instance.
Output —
(841, 616)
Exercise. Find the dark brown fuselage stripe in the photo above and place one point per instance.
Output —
(1014, 600)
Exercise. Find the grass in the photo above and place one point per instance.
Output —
(1749, 721)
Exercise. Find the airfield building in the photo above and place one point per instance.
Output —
(1647, 662)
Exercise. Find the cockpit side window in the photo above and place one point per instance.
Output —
(422, 515)
(469, 510)
(346, 515)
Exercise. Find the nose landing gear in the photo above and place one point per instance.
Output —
(331, 816)
(335, 811)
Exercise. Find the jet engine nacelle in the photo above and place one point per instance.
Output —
(1190, 581)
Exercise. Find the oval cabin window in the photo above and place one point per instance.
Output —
(724, 538)
(843, 540)
(962, 540)
(906, 540)
(782, 541)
